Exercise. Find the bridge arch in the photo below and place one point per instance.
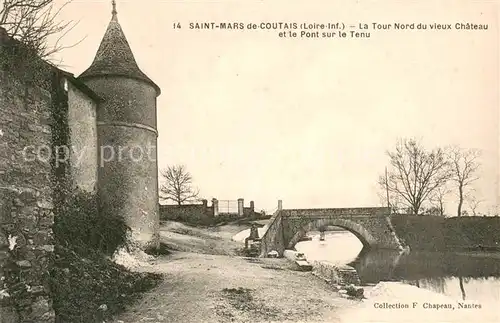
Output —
(366, 238)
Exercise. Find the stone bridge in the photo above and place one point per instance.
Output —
(372, 226)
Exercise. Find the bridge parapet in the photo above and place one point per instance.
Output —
(336, 211)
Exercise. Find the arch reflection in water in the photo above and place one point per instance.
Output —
(461, 276)
(457, 275)
(339, 246)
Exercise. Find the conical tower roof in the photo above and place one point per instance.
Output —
(114, 56)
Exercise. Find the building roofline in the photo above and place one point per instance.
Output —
(82, 78)
(115, 58)
(81, 86)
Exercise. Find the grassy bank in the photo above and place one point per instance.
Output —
(456, 233)
(206, 240)
(93, 288)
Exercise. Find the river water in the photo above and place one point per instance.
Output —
(458, 276)
(424, 279)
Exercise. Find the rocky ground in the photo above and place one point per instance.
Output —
(206, 281)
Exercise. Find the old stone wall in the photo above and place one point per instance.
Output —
(272, 239)
(127, 148)
(186, 213)
(297, 227)
(381, 230)
(202, 213)
(126, 100)
(248, 211)
(26, 215)
(128, 181)
(336, 274)
(83, 138)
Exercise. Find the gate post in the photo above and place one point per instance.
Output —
(240, 206)
(215, 206)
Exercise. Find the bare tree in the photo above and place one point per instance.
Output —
(33, 22)
(461, 284)
(396, 204)
(178, 185)
(415, 173)
(464, 167)
(438, 197)
(473, 203)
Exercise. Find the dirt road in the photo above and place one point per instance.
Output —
(201, 287)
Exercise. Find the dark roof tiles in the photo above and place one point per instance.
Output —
(115, 58)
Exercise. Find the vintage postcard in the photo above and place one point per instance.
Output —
(249, 161)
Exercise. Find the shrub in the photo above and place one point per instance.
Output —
(83, 279)
(80, 226)
(81, 285)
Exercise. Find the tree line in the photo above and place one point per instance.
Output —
(418, 180)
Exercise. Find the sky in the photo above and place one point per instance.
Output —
(308, 121)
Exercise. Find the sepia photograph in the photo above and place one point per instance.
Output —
(178, 161)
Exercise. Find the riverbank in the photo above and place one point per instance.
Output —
(437, 233)
(206, 281)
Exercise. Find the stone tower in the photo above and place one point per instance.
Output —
(127, 134)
